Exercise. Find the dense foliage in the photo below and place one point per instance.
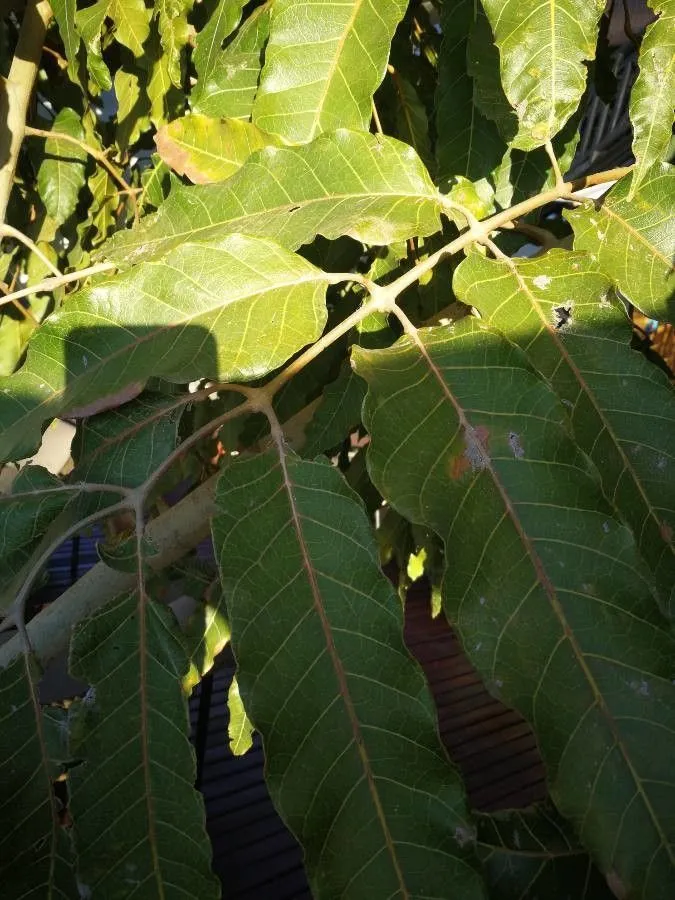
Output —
(264, 256)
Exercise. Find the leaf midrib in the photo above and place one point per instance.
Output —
(549, 588)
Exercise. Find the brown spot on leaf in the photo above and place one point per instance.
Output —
(475, 454)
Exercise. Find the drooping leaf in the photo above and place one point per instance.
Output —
(652, 97)
(633, 241)
(239, 727)
(468, 144)
(543, 47)
(545, 587)
(89, 22)
(483, 65)
(35, 851)
(230, 88)
(175, 33)
(139, 822)
(353, 760)
(64, 13)
(223, 20)
(338, 412)
(208, 309)
(166, 101)
(133, 107)
(62, 173)
(207, 149)
(125, 445)
(321, 70)
(413, 124)
(531, 854)
(36, 499)
(621, 407)
(372, 188)
(156, 181)
(131, 18)
(206, 633)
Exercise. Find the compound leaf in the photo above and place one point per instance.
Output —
(621, 407)
(633, 241)
(323, 64)
(347, 723)
(544, 585)
(370, 187)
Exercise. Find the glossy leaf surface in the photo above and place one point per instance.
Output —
(62, 174)
(223, 20)
(323, 63)
(544, 585)
(373, 188)
(622, 409)
(347, 723)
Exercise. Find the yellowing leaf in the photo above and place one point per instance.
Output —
(205, 149)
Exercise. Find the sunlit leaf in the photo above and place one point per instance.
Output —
(62, 173)
(621, 407)
(323, 67)
(653, 95)
(175, 33)
(239, 727)
(230, 87)
(208, 309)
(205, 149)
(543, 47)
(131, 18)
(533, 853)
(139, 822)
(544, 585)
(353, 759)
(222, 21)
(89, 22)
(64, 13)
(133, 107)
(633, 241)
(35, 851)
(372, 188)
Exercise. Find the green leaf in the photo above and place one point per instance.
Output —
(206, 149)
(372, 188)
(353, 759)
(411, 117)
(468, 144)
(621, 406)
(321, 70)
(239, 728)
(156, 181)
(139, 822)
(175, 33)
(633, 241)
(652, 97)
(206, 634)
(542, 49)
(230, 88)
(222, 22)
(133, 107)
(36, 500)
(338, 412)
(131, 18)
(209, 309)
(62, 173)
(64, 13)
(530, 854)
(125, 445)
(89, 22)
(35, 851)
(544, 586)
